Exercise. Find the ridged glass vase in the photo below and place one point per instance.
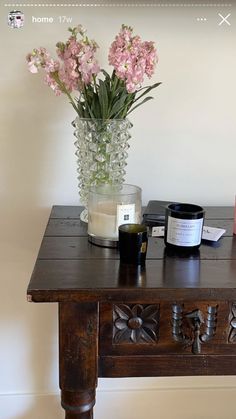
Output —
(101, 150)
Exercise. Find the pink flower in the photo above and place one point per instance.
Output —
(88, 65)
(51, 65)
(79, 62)
(76, 69)
(69, 75)
(150, 56)
(40, 58)
(33, 68)
(49, 80)
(74, 47)
(132, 59)
(36, 59)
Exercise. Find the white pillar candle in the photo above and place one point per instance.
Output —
(109, 206)
(102, 221)
(105, 219)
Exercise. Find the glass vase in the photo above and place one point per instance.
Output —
(101, 150)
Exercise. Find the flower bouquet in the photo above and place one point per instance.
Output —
(101, 101)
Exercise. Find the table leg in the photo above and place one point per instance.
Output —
(78, 357)
(78, 405)
(82, 416)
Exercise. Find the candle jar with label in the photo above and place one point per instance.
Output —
(109, 206)
(183, 226)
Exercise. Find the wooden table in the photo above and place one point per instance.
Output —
(176, 316)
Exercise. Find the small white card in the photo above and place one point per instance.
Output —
(212, 233)
(209, 233)
(158, 231)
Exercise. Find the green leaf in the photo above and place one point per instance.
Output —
(96, 108)
(139, 104)
(80, 109)
(115, 83)
(87, 105)
(118, 105)
(105, 74)
(113, 76)
(107, 82)
(148, 89)
(103, 98)
(117, 93)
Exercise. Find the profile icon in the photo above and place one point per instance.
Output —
(16, 19)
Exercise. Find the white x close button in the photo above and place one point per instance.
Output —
(224, 19)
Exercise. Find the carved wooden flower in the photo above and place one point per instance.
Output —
(232, 335)
(135, 324)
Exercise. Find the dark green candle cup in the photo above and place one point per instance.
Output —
(133, 240)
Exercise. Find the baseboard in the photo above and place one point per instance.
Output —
(185, 398)
(30, 406)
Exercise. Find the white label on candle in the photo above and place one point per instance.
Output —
(184, 232)
(125, 214)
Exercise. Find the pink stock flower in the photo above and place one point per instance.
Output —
(74, 47)
(132, 59)
(79, 62)
(88, 65)
(36, 59)
(33, 67)
(41, 58)
(49, 80)
(51, 65)
(69, 75)
(76, 70)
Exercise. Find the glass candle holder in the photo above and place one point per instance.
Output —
(109, 206)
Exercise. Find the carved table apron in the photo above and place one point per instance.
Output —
(176, 316)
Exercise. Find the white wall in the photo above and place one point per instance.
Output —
(182, 148)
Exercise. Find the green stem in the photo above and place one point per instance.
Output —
(71, 100)
(87, 104)
(115, 85)
(64, 90)
(95, 84)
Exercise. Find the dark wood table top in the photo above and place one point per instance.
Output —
(69, 268)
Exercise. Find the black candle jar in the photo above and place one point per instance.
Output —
(183, 226)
